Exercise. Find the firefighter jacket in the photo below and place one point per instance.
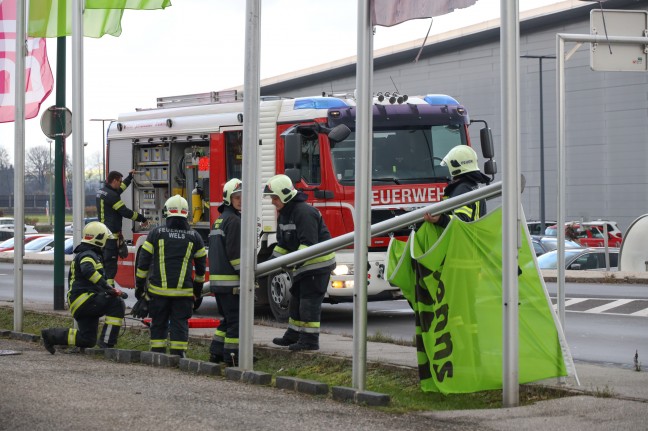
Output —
(225, 252)
(86, 276)
(300, 226)
(463, 184)
(111, 209)
(168, 254)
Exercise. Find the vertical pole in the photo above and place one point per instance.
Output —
(103, 152)
(59, 174)
(49, 141)
(543, 219)
(510, 199)
(19, 163)
(560, 232)
(251, 192)
(362, 223)
(78, 204)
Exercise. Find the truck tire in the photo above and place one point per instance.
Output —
(279, 295)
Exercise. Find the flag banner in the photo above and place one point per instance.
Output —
(49, 19)
(392, 12)
(453, 281)
(127, 4)
(38, 74)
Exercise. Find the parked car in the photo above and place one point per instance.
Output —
(535, 226)
(38, 245)
(8, 244)
(592, 258)
(68, 247)
(7, 228)
(590, 233)
(543, 244)
(68, 228)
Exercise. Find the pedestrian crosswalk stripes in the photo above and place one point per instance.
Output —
(625, 307)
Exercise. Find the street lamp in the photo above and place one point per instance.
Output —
(103, 148)
(542, 167)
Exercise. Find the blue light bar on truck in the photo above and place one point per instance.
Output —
(319, 103)
(440, 99)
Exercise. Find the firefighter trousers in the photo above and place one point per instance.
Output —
(170, 319)
(305, 309)
(87, 318)
(110, 255)
(225, 343)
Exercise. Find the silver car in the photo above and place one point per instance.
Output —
(581, 259)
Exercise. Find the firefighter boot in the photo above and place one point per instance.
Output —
(54, 337)
(306, 342)
(290, 337)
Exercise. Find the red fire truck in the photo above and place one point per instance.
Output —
(191, 145)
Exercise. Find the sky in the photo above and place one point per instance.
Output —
(197, 46)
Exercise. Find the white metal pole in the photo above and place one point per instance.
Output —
(560, 231)
(510, 61)
(77, 120)
(251, 191)
(362, 223)
(19, 163)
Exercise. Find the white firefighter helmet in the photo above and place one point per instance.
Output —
(461, 159)
(176, 206)
(280, 186)
(230, 188)
(96, 233)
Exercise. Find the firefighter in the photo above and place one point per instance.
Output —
(300, 225)
(110, 210)
(90, 297)
(167, 254)
(224, 273)
(466, 176)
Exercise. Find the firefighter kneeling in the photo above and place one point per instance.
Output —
(168, 252)
(90, 297)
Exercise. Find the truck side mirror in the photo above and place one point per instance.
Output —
(339, 133)
(486, 138)
(292, 150)
(490, 167)
(294, 175)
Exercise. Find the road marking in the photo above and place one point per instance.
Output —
(574, 301)
(643, 313)
(608, 306)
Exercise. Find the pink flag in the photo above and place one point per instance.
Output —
(38, 75)
(391, 12)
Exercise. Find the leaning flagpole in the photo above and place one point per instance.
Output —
(19, 162)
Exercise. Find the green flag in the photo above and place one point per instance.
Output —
(455, 289)
(53, 18)
(127, 4)
(48, 18)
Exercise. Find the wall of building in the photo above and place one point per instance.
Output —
(606, 112)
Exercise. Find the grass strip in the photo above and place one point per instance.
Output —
(401, 384)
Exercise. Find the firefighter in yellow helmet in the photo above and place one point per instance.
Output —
(90, 297)
(166, 259)
(299, 226)
(466, 177)
(224, 273)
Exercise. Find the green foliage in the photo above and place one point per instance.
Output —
(400, 383)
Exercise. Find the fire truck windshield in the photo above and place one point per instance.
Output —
(401, 156)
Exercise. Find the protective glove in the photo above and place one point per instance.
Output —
(140, 310)
(197, 289)
(140, 287)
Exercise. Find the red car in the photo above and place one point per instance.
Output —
(8, 245)
(590, 233)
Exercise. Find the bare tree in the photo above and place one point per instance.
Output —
(5, 163)
(37, 166)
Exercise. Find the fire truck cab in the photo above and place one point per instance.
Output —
(191, 145)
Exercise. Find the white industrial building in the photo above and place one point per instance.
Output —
(606, 112)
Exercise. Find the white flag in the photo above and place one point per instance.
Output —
(391, 12)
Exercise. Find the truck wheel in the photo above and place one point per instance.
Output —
(279, 295)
